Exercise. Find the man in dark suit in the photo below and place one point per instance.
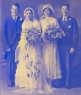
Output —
(68, 44)
(11, 29)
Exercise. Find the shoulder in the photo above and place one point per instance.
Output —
(35, 21)
(41, 20)
(72, 19)
(6, 20)
(49, 18)
(24, 23)
(20, 19)
(52, 18)
(74, 22)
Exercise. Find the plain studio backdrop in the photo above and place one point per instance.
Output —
(5, 6)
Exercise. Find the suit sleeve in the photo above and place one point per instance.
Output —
(4, 34)
(75, 34)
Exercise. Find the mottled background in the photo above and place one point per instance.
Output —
(75, 7)
(75, 11)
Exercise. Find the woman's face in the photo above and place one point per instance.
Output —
(29, 14)
(47, 12)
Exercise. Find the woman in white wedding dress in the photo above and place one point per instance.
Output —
(50, 48)
(30, 68)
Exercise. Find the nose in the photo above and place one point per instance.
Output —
(14, 10)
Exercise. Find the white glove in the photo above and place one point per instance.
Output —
(72, 50)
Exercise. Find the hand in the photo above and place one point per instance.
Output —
(72, 50)
(8, 49)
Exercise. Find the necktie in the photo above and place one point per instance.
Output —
(65, 19)
(15, 20)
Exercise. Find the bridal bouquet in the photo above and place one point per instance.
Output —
(33, 36)
(54, 33)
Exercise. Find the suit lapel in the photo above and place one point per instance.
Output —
(18, 23)
(65, 24)
(13, 22)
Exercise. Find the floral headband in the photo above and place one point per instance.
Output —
(28, 9)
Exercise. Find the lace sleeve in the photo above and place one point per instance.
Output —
(37, 25)
(40, 22)
(23, 40)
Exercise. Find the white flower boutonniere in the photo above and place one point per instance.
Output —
(69, 26)
(21, 19)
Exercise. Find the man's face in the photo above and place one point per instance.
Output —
(14, 10)
(65, 10)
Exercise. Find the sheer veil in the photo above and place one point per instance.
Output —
(42, 7)
(29, 8)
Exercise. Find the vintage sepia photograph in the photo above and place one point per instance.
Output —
(40, 47)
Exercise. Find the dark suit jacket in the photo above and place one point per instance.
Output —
(11, 30)
(70, 27)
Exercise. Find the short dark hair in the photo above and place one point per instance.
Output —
(17, 5)
(67, 5)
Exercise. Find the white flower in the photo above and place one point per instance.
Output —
(69, 26)
(21, 19)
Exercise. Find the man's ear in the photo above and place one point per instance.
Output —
(11, 9)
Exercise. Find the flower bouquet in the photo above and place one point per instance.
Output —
(54, 33)
(33, 36)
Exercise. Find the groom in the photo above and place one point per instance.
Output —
(68, 44)
(10, 36)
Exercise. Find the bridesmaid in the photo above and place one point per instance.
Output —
(50, 48)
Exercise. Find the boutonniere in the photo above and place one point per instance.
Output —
(69, 26)
(69, 18)
(21, 19)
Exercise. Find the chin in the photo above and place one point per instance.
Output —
(14, 14)
(65, 14)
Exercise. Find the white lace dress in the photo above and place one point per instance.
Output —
(30, 69)
(50, 51)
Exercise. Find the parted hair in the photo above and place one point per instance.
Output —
(67, 5)
(17, 5)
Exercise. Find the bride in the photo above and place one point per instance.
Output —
(30, 69)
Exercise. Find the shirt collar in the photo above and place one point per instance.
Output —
(15, 17)
(64, 18)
